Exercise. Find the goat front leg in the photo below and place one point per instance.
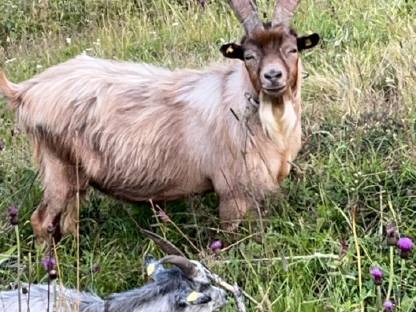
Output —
(232, 208)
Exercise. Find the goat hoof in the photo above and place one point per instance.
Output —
(45, 227)
(230, 227)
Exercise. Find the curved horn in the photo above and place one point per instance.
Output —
(186, 266)
(246, 12)
(164, 244)
(284, 11)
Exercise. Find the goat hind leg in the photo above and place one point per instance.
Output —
(59, 182)
(232, 210)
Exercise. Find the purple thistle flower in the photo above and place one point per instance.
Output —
(388, 306)
(392, 234)
(216, 246)
(13, 212)
(377, 275)
(49, 263)
(405, 245)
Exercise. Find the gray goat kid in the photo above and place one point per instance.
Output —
(186, 287)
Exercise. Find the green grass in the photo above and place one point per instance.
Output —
(359, 151)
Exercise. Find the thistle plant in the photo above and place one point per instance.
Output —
(388, 306)
(392, 234)
(13, 212)
(216, 246)
(403, 247)
(377, 275)
(49, 264)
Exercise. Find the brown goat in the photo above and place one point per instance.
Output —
(141, 132)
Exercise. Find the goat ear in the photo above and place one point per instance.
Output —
(195, 298)
(151, 265)
(232, 50)
(307, 42)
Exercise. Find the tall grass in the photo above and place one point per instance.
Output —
(359, 150)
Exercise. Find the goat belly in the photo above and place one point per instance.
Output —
(126, 132)
(140, 193)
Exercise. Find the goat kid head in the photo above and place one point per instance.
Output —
(270, 51)
(195, 289)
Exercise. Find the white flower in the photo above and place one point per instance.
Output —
(68, 40)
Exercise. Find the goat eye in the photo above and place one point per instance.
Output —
(249, 57)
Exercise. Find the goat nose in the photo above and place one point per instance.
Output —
(273, 74)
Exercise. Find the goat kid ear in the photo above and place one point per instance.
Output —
(232, 50)
(151, 265)
(196, 298)
(150, 269)
(307, 42)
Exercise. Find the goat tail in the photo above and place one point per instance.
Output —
(8, 89)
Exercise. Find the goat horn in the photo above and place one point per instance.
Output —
(165, 245)
(284, 11)
(246, 12)
(186, 266)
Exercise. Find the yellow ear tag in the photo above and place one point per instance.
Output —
(308, 42)
(193, 296)
(229, 50)
(150, 269)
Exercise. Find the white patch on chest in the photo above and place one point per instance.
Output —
(203, 95)
(277, 122)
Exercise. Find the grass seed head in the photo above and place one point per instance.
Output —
(163, 216)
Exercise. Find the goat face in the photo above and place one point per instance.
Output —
(270, 50)
(187, 286)
(271, 57)
(204, 297)
(208, 299)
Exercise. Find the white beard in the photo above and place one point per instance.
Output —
(277, 122)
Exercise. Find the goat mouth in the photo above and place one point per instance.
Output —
(274, 91)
